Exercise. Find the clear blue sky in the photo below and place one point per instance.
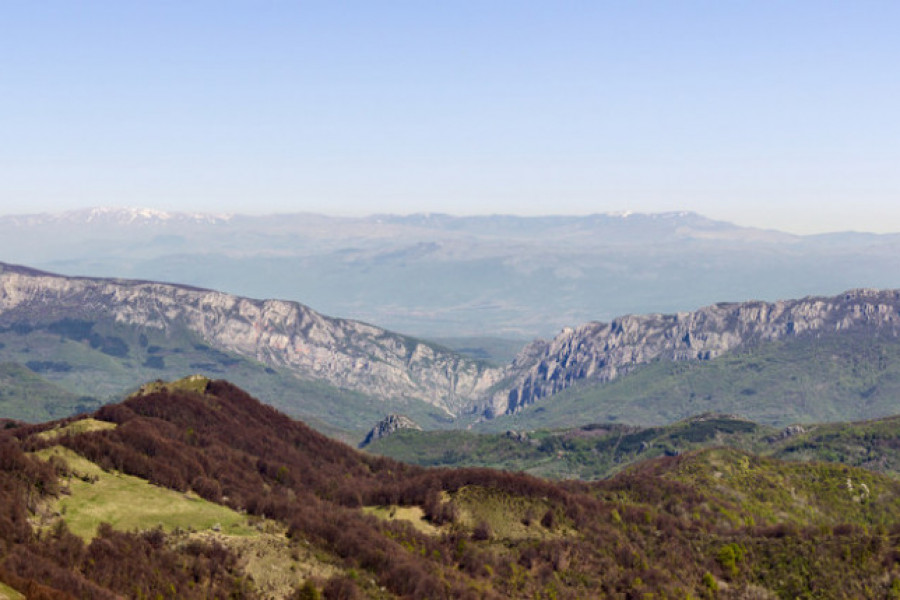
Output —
(777, 114)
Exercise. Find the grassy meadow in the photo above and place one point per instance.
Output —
(92, 496)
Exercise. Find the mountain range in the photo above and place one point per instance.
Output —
(812, 359)
(600, 352)
(440, 276)
(192, 488)
(134, 328)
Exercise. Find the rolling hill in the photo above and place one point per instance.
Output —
(601, 450)
(326, 519)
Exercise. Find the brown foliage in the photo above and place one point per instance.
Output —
(633, 535)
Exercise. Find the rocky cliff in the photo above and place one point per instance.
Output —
(387, 426)
(602, 351)
(357, 356)
(343, 353)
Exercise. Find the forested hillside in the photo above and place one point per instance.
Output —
(347, 525)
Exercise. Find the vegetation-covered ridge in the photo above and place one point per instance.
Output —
(59, 367)
(714, 523)
(601, 450)
(589, 452)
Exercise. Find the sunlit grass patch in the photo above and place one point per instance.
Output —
(412, 514)
(278, 565)
(507, 516)
(192, 383)
(92, 496)
(76, 427)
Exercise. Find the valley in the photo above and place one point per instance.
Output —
(85, 342)
(449, 301)
(713, 453)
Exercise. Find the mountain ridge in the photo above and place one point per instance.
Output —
(600, 352)
(436, 275)
(280, 333)
(393, 369)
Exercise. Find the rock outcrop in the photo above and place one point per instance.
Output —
(603, 351)
(387, 426)
(343, 353)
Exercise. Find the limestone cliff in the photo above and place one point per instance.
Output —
(602, 351)
(344, 353)
(388, 426)
(355, 355)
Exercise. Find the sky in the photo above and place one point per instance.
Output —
(783, 115)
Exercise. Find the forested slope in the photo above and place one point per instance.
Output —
(352, 525)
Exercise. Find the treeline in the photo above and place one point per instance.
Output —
(57, 564)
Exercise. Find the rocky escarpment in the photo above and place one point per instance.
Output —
(343, 353)
(602, 351)
(387, 426)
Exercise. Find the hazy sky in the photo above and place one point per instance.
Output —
(768, 113)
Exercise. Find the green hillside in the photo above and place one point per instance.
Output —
(75, 365)
(599, 451)
(873, 444)
(755, 490)
(93, 496)
(27, 396)
(589, 452)
(808, 379)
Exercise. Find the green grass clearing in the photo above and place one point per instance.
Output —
(76, 427)
(276, 564)
(412, 514)
(130, 503)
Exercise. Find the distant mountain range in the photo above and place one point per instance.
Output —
(442, 276)
(84, 341)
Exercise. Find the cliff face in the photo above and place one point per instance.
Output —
(344, 353)
(389, 425)
(385, 365)
(603, 351)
